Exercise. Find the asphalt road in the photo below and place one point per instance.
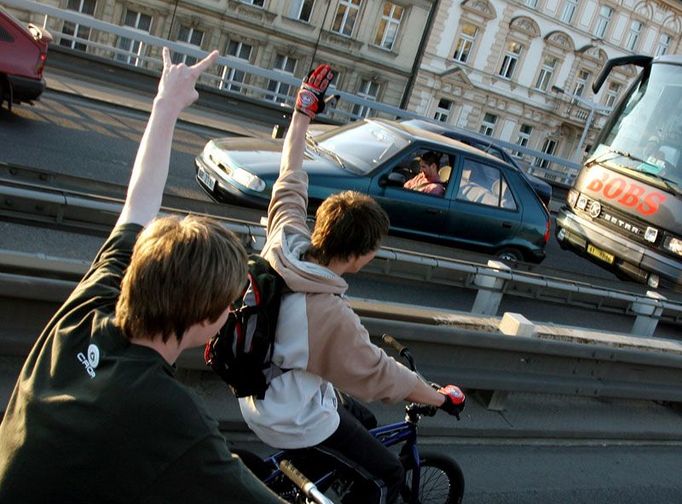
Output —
(73, 136)
(558, 473)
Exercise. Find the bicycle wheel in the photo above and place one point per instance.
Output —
(441, 480)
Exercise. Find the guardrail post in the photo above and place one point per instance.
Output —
(648, 312)
(512, 324)
(489, 294)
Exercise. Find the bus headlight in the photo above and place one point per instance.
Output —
(674, 245)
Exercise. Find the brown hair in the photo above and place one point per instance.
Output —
(348, 224)
(182, 271)
(430, 157)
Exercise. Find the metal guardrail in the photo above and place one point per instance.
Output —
(481, 360)
(349, 102)
(492, 281)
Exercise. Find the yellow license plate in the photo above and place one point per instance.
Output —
(600, 254)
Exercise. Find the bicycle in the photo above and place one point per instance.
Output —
(434, 477)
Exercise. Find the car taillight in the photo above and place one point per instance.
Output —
(40, 65)
(547, 228)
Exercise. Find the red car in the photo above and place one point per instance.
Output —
(23, 52)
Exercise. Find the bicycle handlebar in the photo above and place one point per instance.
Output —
(306, 486)
(404, 352)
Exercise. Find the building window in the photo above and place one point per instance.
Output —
(511, 58)
(531, 3)
(569, 11)
(346, 14)
(548, 147)
(523, 138)
(546, 73)
(663, 44)
(603, 19)
(388, 26)
(231, 77)
(134, 48)
(443, 110)
(465, 43)
(301, 9)
(369, 90)
(612, 94)
(581, 82)
(488, 124)
(191, 37)
(75, 30)
(257, 3)
(280, 90)
(633, 35)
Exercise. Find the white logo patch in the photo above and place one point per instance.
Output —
(91, 361)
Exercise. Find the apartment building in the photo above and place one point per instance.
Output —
(373, 44)
(521, 70)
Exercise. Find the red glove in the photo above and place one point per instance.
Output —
(454, 400)
(310, 99)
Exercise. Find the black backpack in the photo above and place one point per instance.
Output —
(241, 352)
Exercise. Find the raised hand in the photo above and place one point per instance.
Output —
(310, 99)
(177, 81)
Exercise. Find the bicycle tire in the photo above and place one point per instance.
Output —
(441, 480)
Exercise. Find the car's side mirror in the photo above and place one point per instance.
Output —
(393, 179)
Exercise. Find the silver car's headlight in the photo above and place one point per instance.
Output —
(248, 180)
(218, 157)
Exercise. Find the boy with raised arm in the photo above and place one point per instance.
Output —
(319, 339)
(97, 414)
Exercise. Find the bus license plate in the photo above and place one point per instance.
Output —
(206, 178)
(600, 254)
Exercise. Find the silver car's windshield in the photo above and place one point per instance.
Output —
(647, 136)
(364, 145)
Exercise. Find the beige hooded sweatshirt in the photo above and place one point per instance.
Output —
(319, 337)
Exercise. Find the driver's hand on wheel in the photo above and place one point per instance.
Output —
(454, 400)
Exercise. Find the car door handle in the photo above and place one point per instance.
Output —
(507, 225)
(433, 211)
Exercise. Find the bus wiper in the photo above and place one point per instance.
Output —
(670, 184)
(617, 153)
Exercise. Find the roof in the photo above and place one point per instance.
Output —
(433, 137)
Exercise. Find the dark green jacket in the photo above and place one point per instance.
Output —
(94, 419)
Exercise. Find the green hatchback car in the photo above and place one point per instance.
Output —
(486, 205)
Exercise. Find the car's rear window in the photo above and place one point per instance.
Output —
(365, 145)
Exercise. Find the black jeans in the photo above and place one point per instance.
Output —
(353, 441)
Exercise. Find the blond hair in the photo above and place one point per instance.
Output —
(182, 271)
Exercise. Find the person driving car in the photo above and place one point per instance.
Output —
(427, 180)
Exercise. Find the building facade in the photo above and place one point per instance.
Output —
(522, 70)
(517, 70)
(372, 44)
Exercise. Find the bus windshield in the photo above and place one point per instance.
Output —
(646, 135)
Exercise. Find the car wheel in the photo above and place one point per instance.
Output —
(509, 256)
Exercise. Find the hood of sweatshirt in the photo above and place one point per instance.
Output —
(285, 250)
